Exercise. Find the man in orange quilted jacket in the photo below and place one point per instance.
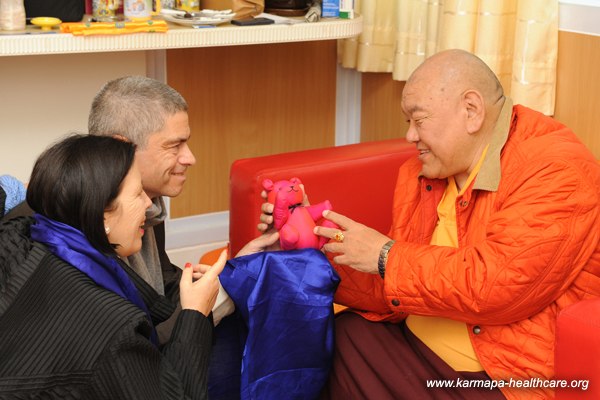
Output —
(496, 228)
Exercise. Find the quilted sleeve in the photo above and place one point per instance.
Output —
(537, 233)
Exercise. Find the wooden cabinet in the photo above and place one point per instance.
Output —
(578, 85)
(248, 101)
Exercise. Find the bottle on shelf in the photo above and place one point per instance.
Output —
(12, 15)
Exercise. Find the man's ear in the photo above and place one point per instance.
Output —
(121, 138)
(475, 109)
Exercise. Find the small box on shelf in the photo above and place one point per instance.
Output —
(330, 9)
(338, 9)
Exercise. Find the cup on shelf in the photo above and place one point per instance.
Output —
(140, 9)
(105, 10)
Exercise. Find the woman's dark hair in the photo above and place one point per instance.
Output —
(76, 180)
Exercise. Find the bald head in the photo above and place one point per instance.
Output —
(455, 71)
(452, 102)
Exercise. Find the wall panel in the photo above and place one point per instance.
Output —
(247, 101)
(578, 86)
(381, 115)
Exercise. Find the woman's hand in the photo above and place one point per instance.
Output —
(266, 242)
(199, 286)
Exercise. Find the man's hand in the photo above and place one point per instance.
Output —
(266, 216)
(266, 242)
(360, 246)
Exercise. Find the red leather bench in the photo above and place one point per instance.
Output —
(577, 351)
(358, 179)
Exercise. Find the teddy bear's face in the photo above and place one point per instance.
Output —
(288, 191)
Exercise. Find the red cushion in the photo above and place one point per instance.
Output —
(358, 179)
(577, 351)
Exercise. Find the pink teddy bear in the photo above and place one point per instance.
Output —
(294, 221)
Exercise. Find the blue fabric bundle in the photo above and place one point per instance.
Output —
(286, 300)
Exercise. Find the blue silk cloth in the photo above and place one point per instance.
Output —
(286, 300)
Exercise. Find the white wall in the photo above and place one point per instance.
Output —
(580, 16)
(45, 97)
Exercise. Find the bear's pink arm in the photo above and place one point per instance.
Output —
(316, 210)
(280, 214)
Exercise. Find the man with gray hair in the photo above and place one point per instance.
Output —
(154, 116)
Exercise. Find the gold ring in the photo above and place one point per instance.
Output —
(339, 236)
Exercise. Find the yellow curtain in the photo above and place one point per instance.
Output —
(518, 39)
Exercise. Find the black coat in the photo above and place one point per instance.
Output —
(64, 337)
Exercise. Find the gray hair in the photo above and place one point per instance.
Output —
(134, 107)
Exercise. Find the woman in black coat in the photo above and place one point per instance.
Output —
(75, 321)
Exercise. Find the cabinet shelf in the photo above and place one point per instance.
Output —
(178, 37)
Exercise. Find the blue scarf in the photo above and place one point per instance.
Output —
(286, 301)
(71, 245)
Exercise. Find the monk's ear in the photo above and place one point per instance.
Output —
(475, 110)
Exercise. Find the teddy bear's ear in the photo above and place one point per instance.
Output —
(295, 181)
(267, 184)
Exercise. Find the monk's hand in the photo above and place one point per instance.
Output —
(353, 244)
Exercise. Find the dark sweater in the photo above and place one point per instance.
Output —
(2, 201)
(64, 337)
